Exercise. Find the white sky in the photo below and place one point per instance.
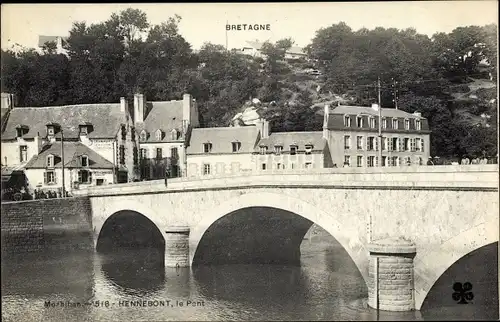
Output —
(22, 23)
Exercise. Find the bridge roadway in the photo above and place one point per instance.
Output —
(422, 219)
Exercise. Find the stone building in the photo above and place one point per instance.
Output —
(163, 128)
(104, 128)
(352, 135)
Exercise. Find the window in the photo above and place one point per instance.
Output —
(421, 145)
(122, 154)
(347, 121)
(84, 161)
(100, 182)
(293, 149)
(174, 154)
(371, 143)
(308, 165)
(384, 123)
(406, 144)
(395, 124)
(309, 149)
(418, 125)
(372, 122)
(50, 161)
(359, 161)
(84, 176)
(206, 169)
(263, 149)
(407, 124)
(279, 166)
(158, 135)
(371, 161)
(395, 161)
(359, 142)
(50, 131)
(124, 132)
(23, 150)
(408, 161)
(83, 130)
(347, 142)
(359, 121)
(347, 160)
(19, 132)
(384, 161)
(143, 136)
(395, 144)
(159, 153)
(236, 146)
(207, 147)
(264, 166)
(143, 153)
(412, 145)
(278, 149)
(49, 177)
(384, 143)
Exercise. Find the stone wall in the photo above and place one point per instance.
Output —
(55, 224)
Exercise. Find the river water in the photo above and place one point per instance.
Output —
(326, 286)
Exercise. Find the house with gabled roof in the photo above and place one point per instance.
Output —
(222, 150)
(82, 167)
(163, 129)
(107, 129)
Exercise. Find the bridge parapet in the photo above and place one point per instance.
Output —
(417, 177)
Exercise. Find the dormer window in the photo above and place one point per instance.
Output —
(347, 121)
(395, 124)
(309, 148)
(85, 129)
(84, 160)
(418, 125)
(158, 135)
(278, 149)
(21, 130)
(143, 136)
(50, 131)
(359, 121)
(207, 147)
(372, 122)
(50, 161)
(293, 149)
(407, 124)
(236, 146)
(263, 149)
(174, 134)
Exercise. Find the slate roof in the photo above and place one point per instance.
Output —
(222, 138)
(105, 119)
(299, 139)
(164, 116)
(72, 152)
(387, 112)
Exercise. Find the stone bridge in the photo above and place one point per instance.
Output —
(402, 227)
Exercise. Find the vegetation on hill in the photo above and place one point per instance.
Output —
(450, 78)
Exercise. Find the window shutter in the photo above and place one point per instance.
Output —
(401, 144)
(376, 161)
(376, 143)
(45, 174)
(80, 176)
(422, 145)
(90, 177)
(55, 177)
(366, 143)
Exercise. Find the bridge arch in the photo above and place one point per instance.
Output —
(428, 269)
(349, 239)
(110, 209)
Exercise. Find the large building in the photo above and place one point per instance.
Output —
(352, 134)
(222, 150)
(164, 129)
(106, 129)
(254, 48)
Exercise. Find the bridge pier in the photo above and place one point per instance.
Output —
(177, 246)
(390, 275)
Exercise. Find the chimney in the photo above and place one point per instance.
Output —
(7, 100)
(187, 102)
(417, 114)
(123, 104)
(265, 130)
(139, 105)
(38, 143)
(375, 106)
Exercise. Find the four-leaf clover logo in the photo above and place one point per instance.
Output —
(462, 292)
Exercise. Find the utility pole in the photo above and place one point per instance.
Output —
(62, 164)
(395, 93)
(379, 124)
